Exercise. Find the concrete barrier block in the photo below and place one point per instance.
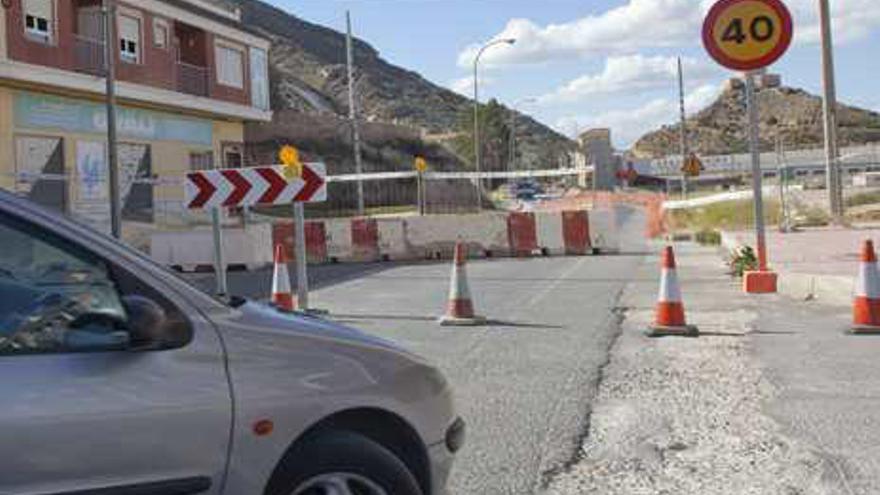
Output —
(549, 230)
(432, 236)
(338, 234)
(392, 239)
(604, 231)
(251, 247)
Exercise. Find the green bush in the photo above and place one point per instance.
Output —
(743, 260)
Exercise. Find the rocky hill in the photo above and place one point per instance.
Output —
(307, 70)
(792, 114)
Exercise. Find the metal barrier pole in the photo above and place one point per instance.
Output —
(219, 261)
(302, 276)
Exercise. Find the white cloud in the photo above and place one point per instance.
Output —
(652, 24)
(852, 19)
(465, 85)
(630, 124)
(632, 73)
(637, 24)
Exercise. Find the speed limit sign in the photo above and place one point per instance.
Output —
(747, 35)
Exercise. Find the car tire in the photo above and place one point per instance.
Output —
(342, 455)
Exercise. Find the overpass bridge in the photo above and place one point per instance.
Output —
(801, 164)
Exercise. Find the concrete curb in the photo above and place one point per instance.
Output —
(835, 290)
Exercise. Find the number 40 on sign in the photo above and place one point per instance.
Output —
(747, 35)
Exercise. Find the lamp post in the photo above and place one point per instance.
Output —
(506, 41)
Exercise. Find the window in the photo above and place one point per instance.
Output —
(47, 288)
(160, 34)
(201, 160)
(230, 65)
(129, 39)
(38, 19)
(259, 66)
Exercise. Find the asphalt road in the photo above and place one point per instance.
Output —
(524, 384)
(829, 389)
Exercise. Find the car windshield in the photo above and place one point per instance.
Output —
(634, 239)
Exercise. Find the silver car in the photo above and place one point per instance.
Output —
(118, 377)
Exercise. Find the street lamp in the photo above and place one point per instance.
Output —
(505, 41)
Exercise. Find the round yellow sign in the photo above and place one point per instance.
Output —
(288, 155)
(747, 34)
(421, 164)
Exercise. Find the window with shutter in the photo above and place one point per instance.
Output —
(160, 33)
(129, 39)
(259, 65)
(230, 65)
(39, 17)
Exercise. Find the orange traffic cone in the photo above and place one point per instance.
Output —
(460, 308)
(866, 300)
(282, 297)
(670, 318)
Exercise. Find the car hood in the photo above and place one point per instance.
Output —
(261, 315)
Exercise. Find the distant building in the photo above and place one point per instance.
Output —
(595, 144)
(763, 80)
(189, 75)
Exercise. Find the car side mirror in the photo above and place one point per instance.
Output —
(147, 323)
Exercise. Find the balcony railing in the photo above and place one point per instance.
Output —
(88, 55)
(192, 79)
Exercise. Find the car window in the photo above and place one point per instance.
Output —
(47, 284)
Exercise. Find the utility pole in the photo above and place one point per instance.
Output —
(352, 114)
(683, 135)
(829, 104)
(109, 9)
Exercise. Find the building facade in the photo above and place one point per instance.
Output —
(595, 144)
(188, 76)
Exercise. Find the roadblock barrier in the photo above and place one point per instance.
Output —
(316, 240)
(365, 239)
(576, 233)
(522, 234)
(866, 299)
(193, 250)
(490, 234)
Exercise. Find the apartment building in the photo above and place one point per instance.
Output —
(189, 75)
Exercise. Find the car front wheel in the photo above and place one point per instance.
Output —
(343, 463)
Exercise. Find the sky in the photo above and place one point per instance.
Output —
(579, 64)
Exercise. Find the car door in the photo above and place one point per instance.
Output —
(80, 414)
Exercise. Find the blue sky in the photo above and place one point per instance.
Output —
(589, 63)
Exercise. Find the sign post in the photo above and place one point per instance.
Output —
(749, 35)
(289, 157)
(421, 167)
(295, 184)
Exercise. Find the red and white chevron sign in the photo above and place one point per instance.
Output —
(255, 186)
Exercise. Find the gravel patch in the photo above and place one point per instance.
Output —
(684, 416)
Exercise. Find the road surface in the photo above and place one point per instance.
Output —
(524, 383)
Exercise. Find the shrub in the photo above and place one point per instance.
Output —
(743, 260)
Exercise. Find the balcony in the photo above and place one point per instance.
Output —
(192, 79)
(88, 56)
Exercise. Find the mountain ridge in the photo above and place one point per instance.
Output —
(792, 115)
